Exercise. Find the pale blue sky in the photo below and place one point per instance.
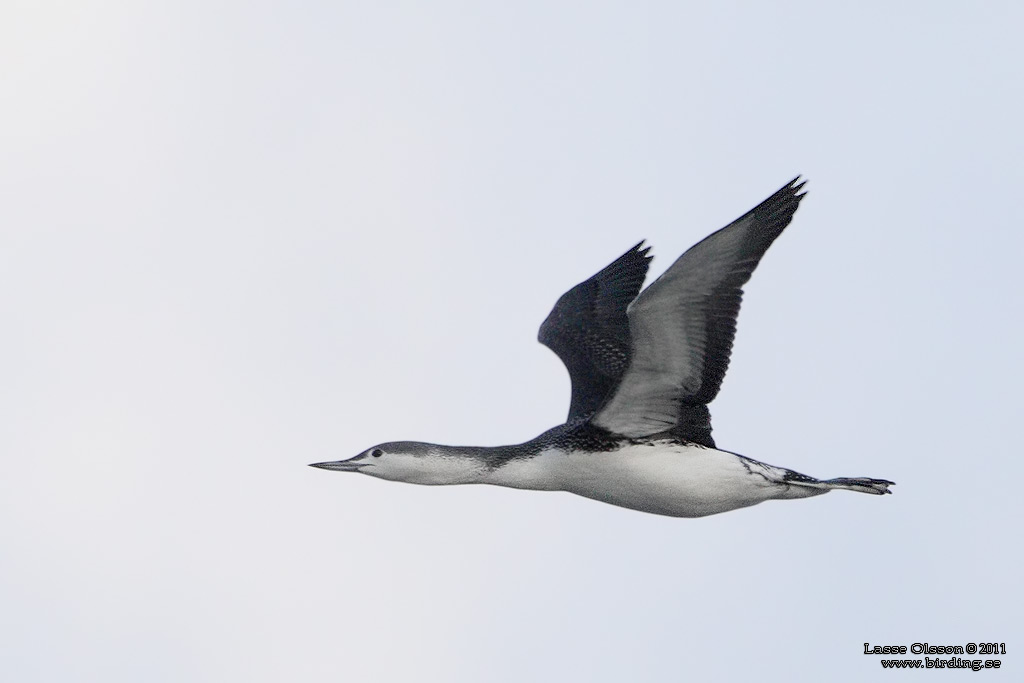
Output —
(237, 238)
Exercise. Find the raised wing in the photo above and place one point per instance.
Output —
(683, 325)
(589, 330)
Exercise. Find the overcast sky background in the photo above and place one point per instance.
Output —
(240, 237)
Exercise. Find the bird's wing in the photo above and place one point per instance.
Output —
(682, 326)
(589, 331)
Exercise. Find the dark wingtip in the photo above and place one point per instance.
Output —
(795, 185)
(775, 213)
(641, 249)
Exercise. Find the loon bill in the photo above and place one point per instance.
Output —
(644, 366)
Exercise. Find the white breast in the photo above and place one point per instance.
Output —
(660, 477)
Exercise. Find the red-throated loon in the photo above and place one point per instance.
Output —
(644, 366)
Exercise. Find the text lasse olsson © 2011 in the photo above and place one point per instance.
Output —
(929, 663)
(926, 649)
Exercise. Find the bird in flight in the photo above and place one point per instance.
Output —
(644, 366)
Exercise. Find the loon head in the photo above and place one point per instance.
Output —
(412, 462)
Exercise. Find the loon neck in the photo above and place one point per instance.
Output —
(514, 465)
(436, 464)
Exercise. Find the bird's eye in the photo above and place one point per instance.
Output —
(376, 452)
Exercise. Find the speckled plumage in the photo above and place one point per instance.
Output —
(643, 366)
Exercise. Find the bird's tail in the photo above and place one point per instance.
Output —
(863, 484)
(803, 486)
(875, 487)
